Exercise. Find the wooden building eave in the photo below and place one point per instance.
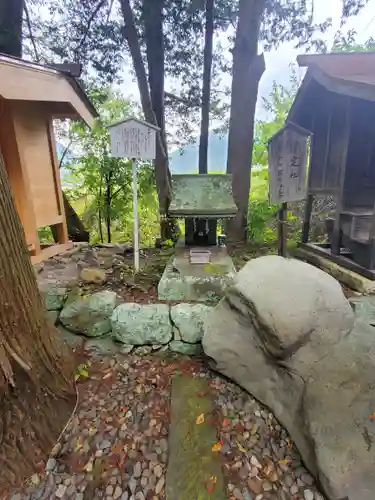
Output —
(22, 81)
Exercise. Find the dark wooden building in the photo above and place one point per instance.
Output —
(336, 103)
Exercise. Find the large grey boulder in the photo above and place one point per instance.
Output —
(188, 321)
(90, 315)
(141, 324)
(286, 333)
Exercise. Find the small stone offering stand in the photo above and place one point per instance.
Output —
(200, 269)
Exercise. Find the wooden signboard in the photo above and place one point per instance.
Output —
(287, 164)
(287, 155)
(134, 139)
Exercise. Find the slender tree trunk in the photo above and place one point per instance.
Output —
(36, 370)
(152, 13)
(108, 196)
(100, 211)
(248, 68)
(162, 174)
(206, 91)
(11, 27)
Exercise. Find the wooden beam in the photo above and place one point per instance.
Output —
(281, 236)
(51, 251)
(307, 218)
(336, 235)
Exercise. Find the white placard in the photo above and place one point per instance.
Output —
(287, 155)
(133, 138)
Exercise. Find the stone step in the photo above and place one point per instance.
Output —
(194, 470)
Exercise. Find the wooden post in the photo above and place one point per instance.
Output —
(281, 232)
(307, 219)
(135, 215)
(336, 234)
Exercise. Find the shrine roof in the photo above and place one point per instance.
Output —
(55, 86)
(204, 196)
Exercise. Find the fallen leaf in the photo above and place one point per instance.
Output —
(79, 444)
(372, 417)
(200, 419)
(211, 484)
(240, 447)
(107, 375)
(89, 466)
(217, 446)
(117, 448)
(202, 394)
(92, 430)
(254, 429)
(284, 462)
(226, 422)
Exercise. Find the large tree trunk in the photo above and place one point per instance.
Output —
(11, 27)
(248, 68)
(206, 91)
(36, 370)
(162, 174)
(152, 13)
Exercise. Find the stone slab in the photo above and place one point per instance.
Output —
(196, 282)
(193, 467)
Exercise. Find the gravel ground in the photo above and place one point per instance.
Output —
(116, 445)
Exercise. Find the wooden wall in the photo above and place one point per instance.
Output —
(32, 127)
(18, 176)
(359, 187)
(328, 144)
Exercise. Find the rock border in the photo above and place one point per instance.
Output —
(138, 328)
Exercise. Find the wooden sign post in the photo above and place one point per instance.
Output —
(287, 164)
(135, 139)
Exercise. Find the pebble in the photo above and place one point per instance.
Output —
(60, 492)
(158, 471)
(117, 493)
(105, 444)
(294, 489)
(309, 495)
(159, 486)
(51, 464)
(237, 494)
(254, 461)
(137, 470)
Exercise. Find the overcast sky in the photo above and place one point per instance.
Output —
(278, 61)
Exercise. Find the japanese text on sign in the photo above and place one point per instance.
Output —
(287, 166)
(133, 139)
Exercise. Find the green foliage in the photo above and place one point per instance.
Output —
(100, 186)
(346, 43)
(277, 105)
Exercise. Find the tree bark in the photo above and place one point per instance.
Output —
(162, 174)
(206, 90)
(248, 68)
(36, 370)
(11, 27)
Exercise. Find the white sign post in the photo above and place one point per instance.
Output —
(287, 164)
(135, 139)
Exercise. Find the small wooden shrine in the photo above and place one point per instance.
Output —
(31, 97)
(201, 268)
(202, 200)
(336, 103)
